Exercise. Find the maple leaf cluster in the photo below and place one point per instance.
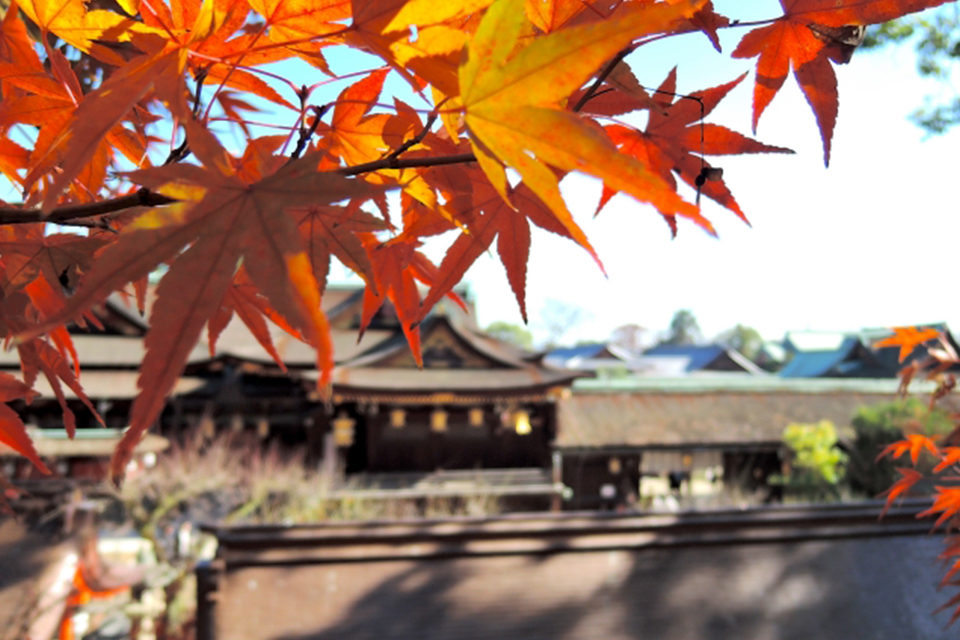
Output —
(169, 135)
(934, 461)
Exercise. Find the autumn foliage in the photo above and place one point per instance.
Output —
(933, 461)
(168, 133)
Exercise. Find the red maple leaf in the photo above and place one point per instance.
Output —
(676, 138)
(810, 35)
(240, 215)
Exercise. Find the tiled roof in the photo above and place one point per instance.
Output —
(701, 357)
(104, 351)
(404, 379)
(814, 363)
(486, 365)
(112, 385)
(708, 418)
(851, 354)
(582, 351)
(86, 442)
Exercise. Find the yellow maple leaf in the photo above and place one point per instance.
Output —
(71, 21)
(512, 92)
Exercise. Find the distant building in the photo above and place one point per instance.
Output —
(665, 361)
(480, 415)
(613, 433)
(480, 412)
(712, 358)
(825, 354)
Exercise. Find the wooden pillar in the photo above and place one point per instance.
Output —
(330, 465)
(313, 425)
(556, 499)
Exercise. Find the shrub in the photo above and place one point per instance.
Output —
(816, 462)
(878, 425)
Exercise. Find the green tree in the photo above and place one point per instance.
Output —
(511, 333)
(557, 319)
(683, 329)
(816, 462)
(746, 340)
(631, 337)
(935, 36)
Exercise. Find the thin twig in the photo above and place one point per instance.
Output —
(394, 156)
(307, 132)
(183, 149)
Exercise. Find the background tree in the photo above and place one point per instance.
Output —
(557, 319)
(683, 329)
(511, 333)
(746, 340)
(632, 337)
(936, 40)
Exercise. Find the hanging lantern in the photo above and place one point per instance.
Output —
(263, 428)
(521, 422)
(438, 421)
(208, 428)
(475, 417)
(398, 418)
(614, 466)
(343, 429)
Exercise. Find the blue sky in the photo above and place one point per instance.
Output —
(870, 241)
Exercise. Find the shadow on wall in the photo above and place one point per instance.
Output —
(875, 588)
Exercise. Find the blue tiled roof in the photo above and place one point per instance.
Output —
(812, 364)
(582, 351)
(699, 356)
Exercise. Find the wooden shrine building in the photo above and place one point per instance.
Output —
(479, 415)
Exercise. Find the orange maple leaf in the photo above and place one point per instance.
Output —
(494, 219)
(908, 339)
(951, 456)
(354, 134)
(914, 443)
(252, 308)
(510, 91)
(333, 231)
(946, 503)
(909, 477)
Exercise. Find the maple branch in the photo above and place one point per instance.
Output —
(406, 163)
(140, 198)
(607, 70)
(147, 198)
(394, 155)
